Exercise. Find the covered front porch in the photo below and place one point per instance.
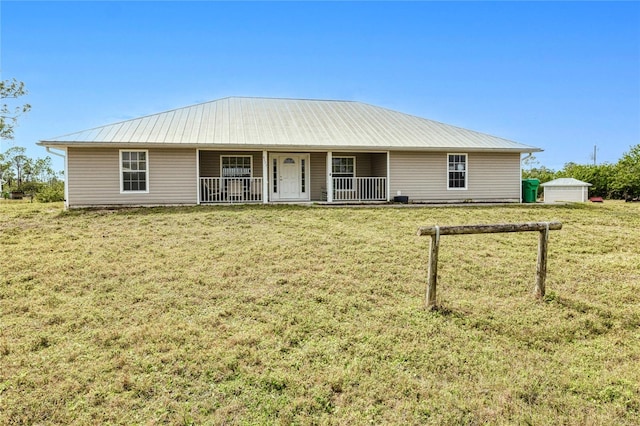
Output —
(273, 176)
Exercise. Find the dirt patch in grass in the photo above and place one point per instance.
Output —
(289, 314)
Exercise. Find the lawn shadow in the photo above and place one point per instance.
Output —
(447, 312)
(164, 210)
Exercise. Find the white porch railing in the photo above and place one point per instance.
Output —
(359, 189)
(230, 190)
(249, 190)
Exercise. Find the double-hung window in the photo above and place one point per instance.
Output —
(343, 171)
(134, 171)
(457, 171)
(235, 166)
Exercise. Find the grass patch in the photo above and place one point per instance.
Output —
(298, 315)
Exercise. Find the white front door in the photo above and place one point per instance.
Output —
(290, 173)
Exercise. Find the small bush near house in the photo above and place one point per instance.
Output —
(49, 193)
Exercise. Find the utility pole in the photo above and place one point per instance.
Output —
(595, 149)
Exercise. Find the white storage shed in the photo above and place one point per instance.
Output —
(566, 189)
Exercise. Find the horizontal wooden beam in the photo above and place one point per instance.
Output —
(436, 231)
(489, 229)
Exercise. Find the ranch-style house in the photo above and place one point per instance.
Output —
(263, 150)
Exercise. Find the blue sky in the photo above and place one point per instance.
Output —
(562, 76)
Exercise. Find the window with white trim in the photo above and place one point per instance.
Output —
(457, 171)
(236, 165)
(343, 170)
(134, 171)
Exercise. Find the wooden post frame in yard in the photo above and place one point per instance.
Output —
(436, 231)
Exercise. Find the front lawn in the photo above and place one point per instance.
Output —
(311, 315)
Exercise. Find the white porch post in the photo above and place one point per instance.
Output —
(198, 176)
(66, 177)
(520, 178)
(265, 177)
(388, 176)
(329, 178)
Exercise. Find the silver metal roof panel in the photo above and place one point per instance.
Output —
(565, 182)
(268, 122)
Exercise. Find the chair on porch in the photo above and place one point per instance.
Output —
(235, 190)
(210, 191)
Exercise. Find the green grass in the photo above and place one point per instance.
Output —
(307, 315)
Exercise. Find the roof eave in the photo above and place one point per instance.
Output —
(280, 147)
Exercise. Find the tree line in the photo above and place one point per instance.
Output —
(620, 180)
(22, 175)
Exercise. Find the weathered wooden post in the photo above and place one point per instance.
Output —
(433, 269)
(436, 231)
(541, 267)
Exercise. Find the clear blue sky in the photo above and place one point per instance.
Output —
(563, 76)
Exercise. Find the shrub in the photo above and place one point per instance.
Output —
(30, 187)
(50, 193)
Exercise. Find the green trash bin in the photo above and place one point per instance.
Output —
(530, 190)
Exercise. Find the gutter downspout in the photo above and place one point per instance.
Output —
(54, 153)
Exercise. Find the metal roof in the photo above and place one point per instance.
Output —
(565, 182)
(238, 123)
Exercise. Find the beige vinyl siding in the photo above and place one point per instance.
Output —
(379, 165)
(363, 163)
(318, 176)
(423, 177)
(94, 178)
(210, 162)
